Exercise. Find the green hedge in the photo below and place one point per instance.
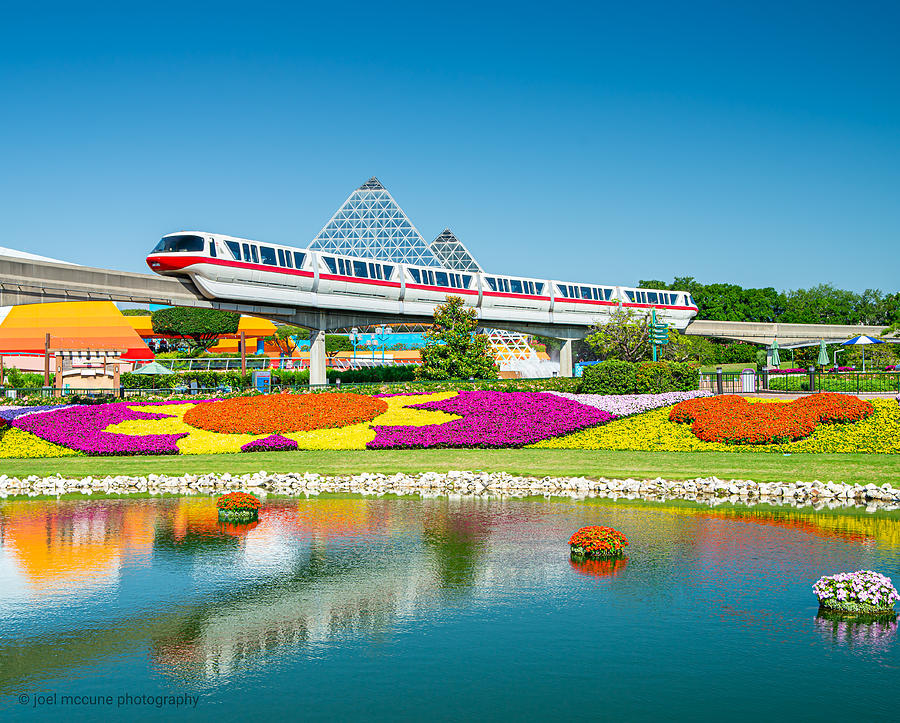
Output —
(620, 377)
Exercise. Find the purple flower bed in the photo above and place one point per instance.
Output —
(624, 405)
(272, 443)
(15, 412)
(787, 371)
(81, 428)
(493, 419)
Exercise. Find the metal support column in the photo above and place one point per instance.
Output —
(317, 358)
(565, 359)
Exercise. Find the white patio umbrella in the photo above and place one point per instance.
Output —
(862, 340)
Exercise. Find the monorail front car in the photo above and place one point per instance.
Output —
(237, 269)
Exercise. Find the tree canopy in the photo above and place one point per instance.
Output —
(202, 327)
(452, 348)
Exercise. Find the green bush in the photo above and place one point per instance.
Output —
(620, 377)
(17, 379)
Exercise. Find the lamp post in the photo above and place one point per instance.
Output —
(354, 340)
(383, 333)
(834, 357)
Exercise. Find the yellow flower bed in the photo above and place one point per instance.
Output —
(653, 432)
(354, 436)
(21, 444)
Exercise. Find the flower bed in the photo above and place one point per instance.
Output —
(863, 591)
(734, 420)
(597, 542)
(238, 507)
(625, 405)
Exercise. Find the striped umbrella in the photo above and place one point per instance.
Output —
(776, 359)
(862, 340)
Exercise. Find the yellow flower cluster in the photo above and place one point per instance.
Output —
(19, 443)
(354, 436)
(653, 432)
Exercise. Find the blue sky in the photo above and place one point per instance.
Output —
(603, 142)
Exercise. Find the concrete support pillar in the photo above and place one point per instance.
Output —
(317, 358)
(565, 359)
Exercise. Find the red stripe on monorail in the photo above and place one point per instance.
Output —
(566, 300)
(441, 289)
(357, 280)
(506, 295)
(659, 306)
(166, 263)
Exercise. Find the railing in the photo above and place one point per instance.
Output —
(764, 381)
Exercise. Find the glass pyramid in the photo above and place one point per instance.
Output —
(371, 224)
(452, 254)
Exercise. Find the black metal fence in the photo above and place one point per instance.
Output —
(855, 382)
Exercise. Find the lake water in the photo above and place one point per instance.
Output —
(436, 609)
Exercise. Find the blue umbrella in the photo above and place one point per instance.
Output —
(862, 340)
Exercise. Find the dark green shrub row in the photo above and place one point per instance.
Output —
(620, 377)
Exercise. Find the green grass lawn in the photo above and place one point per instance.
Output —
(862, 468)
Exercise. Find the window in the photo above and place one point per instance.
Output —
(629, 294)
(235, 249)
(388, 271)
(247, 256)
(360, 270)
(288, 260)
(467, 281)
(298, 259)
(268, 255)
(440, 278)
(563, 291)
(281, 261)
(492, 284)
(212, 248)
(516, 287)
(652, 297)
(415, 275)
(538, 288)
(330, 263)
(179, 244)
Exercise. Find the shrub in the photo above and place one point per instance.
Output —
(597, 541)
(619, 377)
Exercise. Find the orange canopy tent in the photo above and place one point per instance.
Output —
(73, 326)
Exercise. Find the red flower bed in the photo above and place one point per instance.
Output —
(733, 420)
(280, 413)
(238, 501)
(597, 541)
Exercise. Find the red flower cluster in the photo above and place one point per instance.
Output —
(733, 420)
(238, 501)
(597, 541)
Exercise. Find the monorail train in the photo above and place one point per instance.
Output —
(237, 269)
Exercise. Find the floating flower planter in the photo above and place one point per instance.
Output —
(238, 507)
(597, 543)
(856, 593)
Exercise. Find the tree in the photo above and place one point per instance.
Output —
(685, 348)
(285, 338)
(625, 336)
(452, 348)
(202, 327)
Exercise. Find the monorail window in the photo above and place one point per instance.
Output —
(247, 252)
(629, 294)
(288, 260)
(415, 275)
(212, 248)
(467, 281)
(179, 244)
(235, 249)
(331, 263)
(298, 259)
(388, 271)
(359, 269)
(515, 286)
(281, 261)
(255, 253)
(652, 297)
(268, 256)
(440, 278)
(374, 271)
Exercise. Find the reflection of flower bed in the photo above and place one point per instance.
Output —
(856, 629)
(860, 592)
(597, 542)
(238, 507)
(279, 413)
(608, 567)
(734, 420)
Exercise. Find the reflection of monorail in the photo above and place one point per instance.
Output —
(224, 267)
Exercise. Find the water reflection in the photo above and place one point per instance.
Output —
(162, 581)
(857, 630)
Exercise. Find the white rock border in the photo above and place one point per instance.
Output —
(708, 490)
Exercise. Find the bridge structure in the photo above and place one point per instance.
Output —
(36, 281)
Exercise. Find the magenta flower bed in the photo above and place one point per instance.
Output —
(493, 419)
(272, 443)
(81, 428)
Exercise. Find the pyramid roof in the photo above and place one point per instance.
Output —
(370, 224)
(452, 253)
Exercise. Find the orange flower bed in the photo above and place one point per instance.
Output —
(597, 541)
(280, 413)
(238, 501)
(732, 419)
